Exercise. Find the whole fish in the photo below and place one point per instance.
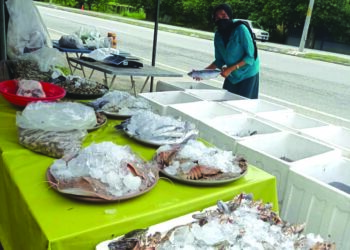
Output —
(204, 74)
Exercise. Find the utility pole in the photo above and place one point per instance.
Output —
(3, 54)
(155, 38)
(306, 26)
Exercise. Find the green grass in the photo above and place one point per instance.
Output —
(326, 58)
(134, 15)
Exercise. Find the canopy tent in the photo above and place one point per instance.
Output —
(3, 25)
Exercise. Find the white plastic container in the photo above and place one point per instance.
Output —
(290, 121)
(161, 100)
(195, 112)
(319, 195)
(255, 106)
(276, 153)
(218, 95)
(225, 131)
(176, 86)
(335, 136)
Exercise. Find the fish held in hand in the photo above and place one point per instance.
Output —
(204, 74)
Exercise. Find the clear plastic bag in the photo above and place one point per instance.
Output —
(26, 30)
(71, 41)
(89, 36)
(62, 116)
(52, 143)
(30, 88)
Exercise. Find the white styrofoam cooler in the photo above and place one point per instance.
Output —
(335, 136)
(290, 120)
(319, 195)
(195, 112)
(176, 86)
(218, 95)
(276, 153)
(225, 131)
(161, 100)
(255, 106)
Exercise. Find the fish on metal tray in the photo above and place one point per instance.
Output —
(97, 105)
(204, 74)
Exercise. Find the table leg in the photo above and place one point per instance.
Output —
(133, 86)
(69, 63)
(144, 84)
(72, 67)
(92, 71)
(112, 81)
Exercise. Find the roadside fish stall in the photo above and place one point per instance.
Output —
(67, 221)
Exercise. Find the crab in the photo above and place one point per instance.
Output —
(202, 172)
(164, 158)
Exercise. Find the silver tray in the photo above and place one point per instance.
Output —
(203, 182)
(115, 115)
(97, 126)
(53, 183)
(151, 143)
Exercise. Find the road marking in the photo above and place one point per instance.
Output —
(60, 32)
(306, 108)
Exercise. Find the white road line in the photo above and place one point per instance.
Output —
(60, 32)
(306, 108)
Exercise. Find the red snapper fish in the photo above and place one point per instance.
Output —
(204, 74)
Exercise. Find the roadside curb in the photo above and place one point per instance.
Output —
(315, 55)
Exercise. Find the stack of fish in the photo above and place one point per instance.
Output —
(120, 102)
(158, 130)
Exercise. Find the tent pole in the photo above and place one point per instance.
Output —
(3, 55)
(155, 36)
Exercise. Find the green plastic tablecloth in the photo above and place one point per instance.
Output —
(34, 216)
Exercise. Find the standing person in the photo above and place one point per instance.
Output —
(235, 54)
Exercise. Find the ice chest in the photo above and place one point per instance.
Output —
(291, 121)
(256, 106)
(276, 153)
(319, 195)
(217, 95)
(176, 86)
(225, 131)
(335, 136)
(161, 100)
(196, 112)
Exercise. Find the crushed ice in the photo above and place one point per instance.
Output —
(104, 161)
(196, 151)
(242, 229)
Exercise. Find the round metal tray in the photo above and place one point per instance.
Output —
(202, 182)
(53, 183)
(97, 126)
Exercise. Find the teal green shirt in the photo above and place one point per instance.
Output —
(240, 47)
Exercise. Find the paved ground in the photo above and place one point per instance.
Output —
(123, 83)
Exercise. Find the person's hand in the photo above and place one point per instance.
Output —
(225, 72)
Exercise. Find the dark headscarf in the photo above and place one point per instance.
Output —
(224, 6)
(224, 26)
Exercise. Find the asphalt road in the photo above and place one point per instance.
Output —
(318, 89)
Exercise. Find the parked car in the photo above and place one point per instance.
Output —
(259, 33)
